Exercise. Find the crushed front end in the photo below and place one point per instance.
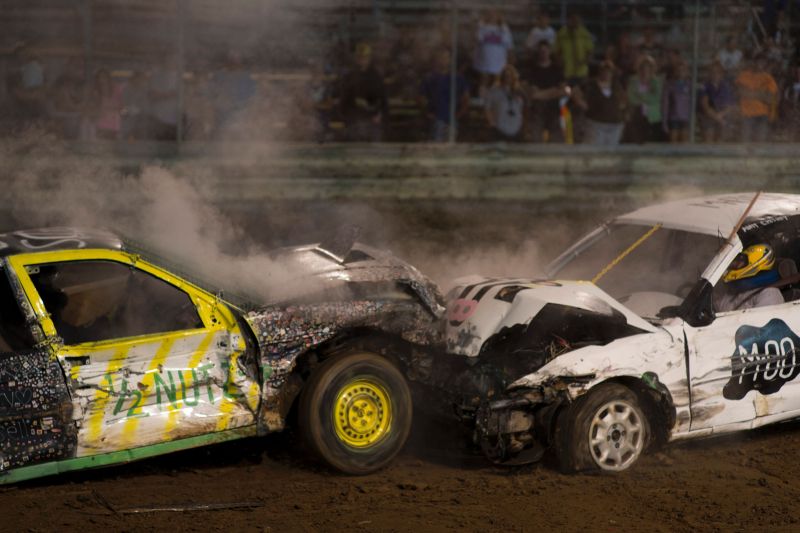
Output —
(501, 331)
(343, 295)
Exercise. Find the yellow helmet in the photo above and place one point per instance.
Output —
(750, 261)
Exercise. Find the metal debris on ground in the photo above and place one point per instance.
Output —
(190, 507)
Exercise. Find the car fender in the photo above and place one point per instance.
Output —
(657, 360)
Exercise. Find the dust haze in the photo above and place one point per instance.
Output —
(175, 215)
(46, 185)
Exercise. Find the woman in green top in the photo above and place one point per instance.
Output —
(644, 101)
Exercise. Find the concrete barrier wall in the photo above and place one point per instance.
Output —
(240, 172)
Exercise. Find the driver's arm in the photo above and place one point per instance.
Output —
(768, 296)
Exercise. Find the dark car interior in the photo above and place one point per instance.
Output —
(15, 336)
(90, 301)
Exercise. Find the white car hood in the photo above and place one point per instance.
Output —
(478, 307)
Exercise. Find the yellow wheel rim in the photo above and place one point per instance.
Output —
(362, 413)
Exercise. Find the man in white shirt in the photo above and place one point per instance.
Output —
(494, 42)
(541, 31)
(730, 57)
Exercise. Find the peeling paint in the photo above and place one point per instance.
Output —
(284, 334)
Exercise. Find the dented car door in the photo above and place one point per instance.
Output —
(149, 357)
(756, 352)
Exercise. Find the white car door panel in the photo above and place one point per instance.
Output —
(744, 366)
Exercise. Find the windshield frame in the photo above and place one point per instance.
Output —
(712, 272)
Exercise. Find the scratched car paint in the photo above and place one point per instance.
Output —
(631, 353)
(637, 348)
(86, 383)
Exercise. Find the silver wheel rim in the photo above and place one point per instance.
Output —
(616, 435)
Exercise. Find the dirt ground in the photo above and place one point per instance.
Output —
(738, 483)
(742, 482)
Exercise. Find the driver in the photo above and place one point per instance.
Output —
(747, 280)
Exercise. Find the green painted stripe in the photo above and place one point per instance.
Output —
(125, 456)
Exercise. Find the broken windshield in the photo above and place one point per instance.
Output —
(626, 259)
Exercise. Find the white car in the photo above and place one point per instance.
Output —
(635, 353)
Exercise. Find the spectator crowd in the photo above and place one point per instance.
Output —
(555, 85)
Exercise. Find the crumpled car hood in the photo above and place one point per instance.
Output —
(312, 270)
(480, 309)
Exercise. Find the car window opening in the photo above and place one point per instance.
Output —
(14, 333)
(667, 261)
(91, 301)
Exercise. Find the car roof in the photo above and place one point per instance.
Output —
(55, 239)
(716, 214)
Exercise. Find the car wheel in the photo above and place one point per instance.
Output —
(604, 430)
(355, 412)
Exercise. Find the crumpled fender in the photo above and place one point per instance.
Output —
(285, 333)
(646, 356)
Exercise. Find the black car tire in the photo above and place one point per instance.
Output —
(355, 412)
(607, 420)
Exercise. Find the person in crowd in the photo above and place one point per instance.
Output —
(402, 73)
(676, 37)
(758, 93)
(106, 106)
(163, 96)
(232, 90)
(435, 96)
(541, 31)
(604, 101)
(318, 102)
(627, 55)
(363, 100)
(718, 104)
(25, 84)
(611, 54)
(651, 46)
(774, 55)
(673, 60)
(770, 14)
(781, 32)
(430, 39)
(135, 108)
(68, 97)
(494, 40)
(790, 104)
(505, 106)
(676, 104)
(547, 88)
(644, 103)
(730, 56)
(574, 47)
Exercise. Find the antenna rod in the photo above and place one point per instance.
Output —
(744, 216)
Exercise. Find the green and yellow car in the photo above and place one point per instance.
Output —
(108, 356)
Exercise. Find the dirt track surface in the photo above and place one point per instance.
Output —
(742, 482)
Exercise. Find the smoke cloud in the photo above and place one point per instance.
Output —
(46, 185)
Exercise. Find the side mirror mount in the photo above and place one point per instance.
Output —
(698, 308)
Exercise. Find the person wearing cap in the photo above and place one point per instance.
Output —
(747, 282)
(363, 98)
